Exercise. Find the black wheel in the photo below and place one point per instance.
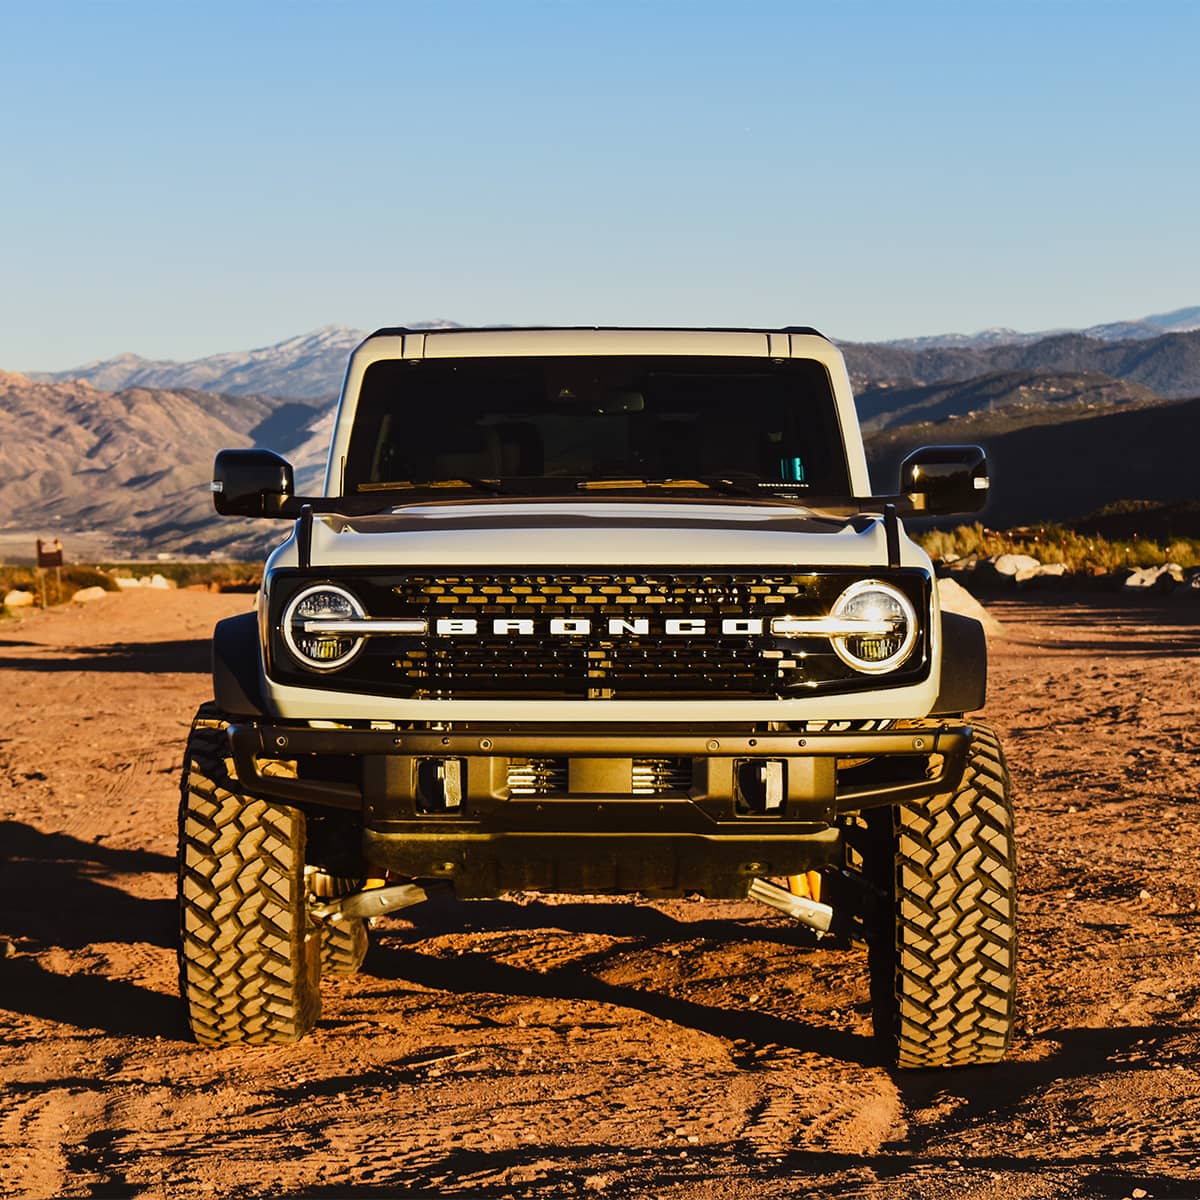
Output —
(249, 958)
(943, 950)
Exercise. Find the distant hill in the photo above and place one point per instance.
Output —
(136, 463)
(307, 367)
(1169, 363)
(1156, 520)
(1064, 470)
(1004, 400)
(1180, 320)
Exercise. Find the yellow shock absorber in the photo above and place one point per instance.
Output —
(807, 885)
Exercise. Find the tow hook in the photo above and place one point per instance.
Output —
(373, 902)
(813, 913)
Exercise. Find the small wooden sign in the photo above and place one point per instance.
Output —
(49, 553)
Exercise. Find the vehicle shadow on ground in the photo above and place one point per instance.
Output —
(191, 656)
(57, 892)
(473, 973)
(443, 914)
(87, 1001)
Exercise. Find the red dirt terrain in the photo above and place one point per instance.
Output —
(556, 1047)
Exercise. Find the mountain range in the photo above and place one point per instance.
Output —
(1071, 421)
(311, 366)
(1169, 363)
(1180, 320)
(134, 464)
(308, 367)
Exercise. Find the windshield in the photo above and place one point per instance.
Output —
(537, 425)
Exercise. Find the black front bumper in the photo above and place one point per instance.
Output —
(588, 835)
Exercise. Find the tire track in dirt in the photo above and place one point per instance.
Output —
(31, 1132)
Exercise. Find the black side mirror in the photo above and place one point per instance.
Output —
(945, 480)
(251, 483)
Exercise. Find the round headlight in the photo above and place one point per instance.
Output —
(876, 653)
(318, 648)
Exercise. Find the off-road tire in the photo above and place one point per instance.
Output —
(943, 954)
(249, 958)
(344, 943)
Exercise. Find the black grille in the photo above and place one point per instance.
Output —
(527, 660)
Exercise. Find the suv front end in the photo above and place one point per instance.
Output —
(604, 611)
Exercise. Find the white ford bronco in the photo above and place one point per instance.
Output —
(599, 611)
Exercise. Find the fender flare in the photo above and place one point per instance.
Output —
(236, 656)
(964, 666)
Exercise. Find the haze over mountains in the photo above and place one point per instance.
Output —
(1181, 320)
(1071, 420)
(311, 366)
(307, 367)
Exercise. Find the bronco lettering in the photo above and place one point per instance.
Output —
(583, 626)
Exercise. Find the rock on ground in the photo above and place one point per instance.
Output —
(956, 599)
(88, 594)
(1163, 578)
(1014, 564)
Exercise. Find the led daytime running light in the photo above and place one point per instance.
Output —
(321, 649)
(872, 600)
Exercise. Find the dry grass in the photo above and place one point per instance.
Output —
(1083, 554)
(58, 591)
(230, 576)
(226, 575)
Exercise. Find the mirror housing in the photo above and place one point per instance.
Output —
(252, 483)
(945, 480)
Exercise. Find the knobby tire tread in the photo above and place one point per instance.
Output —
(344, 945)
(943, 958)
(249, 959)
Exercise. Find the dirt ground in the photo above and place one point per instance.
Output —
(555, 1047)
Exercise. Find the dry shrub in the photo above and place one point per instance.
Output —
(1083, 554)
(221, 576)
(230, 576)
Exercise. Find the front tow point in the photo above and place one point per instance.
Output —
(374, 902)
(815, 915)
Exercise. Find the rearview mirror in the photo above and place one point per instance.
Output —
(251, 483)
(945, 480)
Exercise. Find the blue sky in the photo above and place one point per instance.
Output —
(179, 179)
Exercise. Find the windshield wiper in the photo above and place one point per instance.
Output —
(729, 487)
(599, 485)
(499, 487)
(483, 485)
(405, 485)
